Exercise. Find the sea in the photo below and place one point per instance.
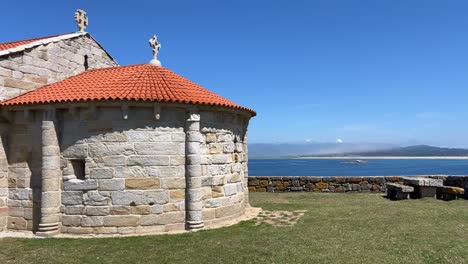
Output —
(370, 167)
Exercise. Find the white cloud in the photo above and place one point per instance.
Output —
(339, 141)
(308, 140)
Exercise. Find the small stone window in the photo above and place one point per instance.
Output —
(79, 168)
(86, 64)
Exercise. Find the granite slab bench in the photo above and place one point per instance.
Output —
(448, 193)
(396, 191)
(423, 187)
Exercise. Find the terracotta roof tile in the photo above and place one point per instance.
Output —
(14, 44)
(135, 82)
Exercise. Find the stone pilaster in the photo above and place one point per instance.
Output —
(193, 202)
(3, 187)
(51, 177)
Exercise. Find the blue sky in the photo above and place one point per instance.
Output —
(390, 71)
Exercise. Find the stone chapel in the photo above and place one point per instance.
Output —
(91, 147)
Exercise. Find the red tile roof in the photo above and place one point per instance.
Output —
(135, 82)
(14, 44)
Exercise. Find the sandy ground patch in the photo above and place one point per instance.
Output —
(279, 218)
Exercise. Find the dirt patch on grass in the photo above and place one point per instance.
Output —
(279, 218)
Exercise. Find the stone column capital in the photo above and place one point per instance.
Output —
(193, 117)
(193, 114)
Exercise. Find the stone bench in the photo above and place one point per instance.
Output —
(423, 187)
(396, 191)
(448, 193)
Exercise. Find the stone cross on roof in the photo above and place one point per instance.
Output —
(81, 19)
(155, 46)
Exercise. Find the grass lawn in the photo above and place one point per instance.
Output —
(337, 228)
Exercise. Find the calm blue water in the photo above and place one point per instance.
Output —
(375, 167)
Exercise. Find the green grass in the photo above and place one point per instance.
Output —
(337, 228)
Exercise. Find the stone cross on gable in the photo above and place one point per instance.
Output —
(155, 46)
(81, 19)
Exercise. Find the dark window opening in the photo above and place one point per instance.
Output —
(86, 65)
(79, 169)
(236, 158)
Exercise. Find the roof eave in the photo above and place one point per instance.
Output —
(41, 42)
(84, 103)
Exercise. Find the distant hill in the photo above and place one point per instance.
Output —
(287, 150)
(412, 151)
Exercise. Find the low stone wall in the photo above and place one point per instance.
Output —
(336, 184)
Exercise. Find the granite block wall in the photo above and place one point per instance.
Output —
(32, 68)
(123, 172)
(224, 165)
(3, 179)
(24, 173)
(134, 173)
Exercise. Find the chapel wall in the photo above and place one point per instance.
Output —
(32, 68)
(133, 178)
(134, 171)
(24, 172)
(224, 165)
(3, 177)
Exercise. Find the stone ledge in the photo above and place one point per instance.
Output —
(399, 187)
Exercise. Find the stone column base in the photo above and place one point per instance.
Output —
(194, 225)
(48, 230)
